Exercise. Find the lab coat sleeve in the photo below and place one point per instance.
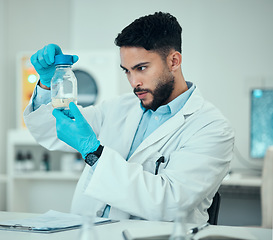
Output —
(193, 172)
(42, 125)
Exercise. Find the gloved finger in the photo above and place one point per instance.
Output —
(75, 58)
(41, 58)
(51, 51)
(68, 113)
(47, 55)
(76, 112)
(37, 60)
(34, 61)
(60, 116)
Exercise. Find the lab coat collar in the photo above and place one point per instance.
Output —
(132, 121)
(194, 103)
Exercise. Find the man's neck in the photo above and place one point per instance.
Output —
(180, 86)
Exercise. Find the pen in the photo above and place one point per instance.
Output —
(197, 229)
(157, 164)
(106, 221)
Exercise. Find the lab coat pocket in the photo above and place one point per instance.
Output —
(155, 163)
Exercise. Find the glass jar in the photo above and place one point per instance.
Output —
(63, 83)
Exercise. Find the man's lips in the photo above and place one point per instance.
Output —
(141, 95)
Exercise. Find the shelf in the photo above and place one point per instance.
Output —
(51, 175)
(30, 190)
(21, 136)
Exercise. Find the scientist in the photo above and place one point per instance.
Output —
(150, 152)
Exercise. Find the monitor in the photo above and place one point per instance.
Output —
(261, 122)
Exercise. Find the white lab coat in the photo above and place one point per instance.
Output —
(197, 144)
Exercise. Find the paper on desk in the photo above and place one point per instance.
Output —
(159, 231)
(211, 233)
(48, 222)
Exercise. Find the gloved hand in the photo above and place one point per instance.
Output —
(76, 132)
(43, 62)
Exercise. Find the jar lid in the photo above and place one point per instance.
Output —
(63, 59)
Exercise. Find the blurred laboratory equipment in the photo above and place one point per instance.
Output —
(72, 162)
(79, 163)
(19, 162)
(45, 163)
(24, 162)
(67, 160)
(29, 162)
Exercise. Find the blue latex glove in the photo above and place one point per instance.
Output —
(43, 62)
(76, 132)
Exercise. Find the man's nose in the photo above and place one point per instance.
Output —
(135, 81)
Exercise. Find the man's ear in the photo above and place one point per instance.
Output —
(174, 60)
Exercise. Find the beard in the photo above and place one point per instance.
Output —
(161, 93)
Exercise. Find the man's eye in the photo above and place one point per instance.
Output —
(142, 68)
(125, 71)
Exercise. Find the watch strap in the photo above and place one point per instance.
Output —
(92, 158)
(98, 152)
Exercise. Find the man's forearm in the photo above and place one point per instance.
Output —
(41, 95)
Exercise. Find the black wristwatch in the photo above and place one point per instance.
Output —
(92, 158)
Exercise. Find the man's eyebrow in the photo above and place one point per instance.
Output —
(123, 67)
(139, 65)
(136, 66)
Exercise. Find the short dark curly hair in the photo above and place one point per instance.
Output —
(159, 32)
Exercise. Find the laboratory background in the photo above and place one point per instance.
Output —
(227, 51)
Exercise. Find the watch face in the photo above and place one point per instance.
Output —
(91, 159)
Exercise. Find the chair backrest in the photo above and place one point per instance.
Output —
(213, 210)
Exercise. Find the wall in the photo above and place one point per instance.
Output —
(2, 106)
(227, 48)
(25, 26)
(3, 83)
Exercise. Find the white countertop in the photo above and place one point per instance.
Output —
(242, 179)
(113, 231)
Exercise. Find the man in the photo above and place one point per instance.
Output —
(148, 153)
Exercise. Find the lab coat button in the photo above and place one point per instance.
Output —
(99, 213)
(156, 117)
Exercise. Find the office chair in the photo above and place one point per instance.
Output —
(213, 210)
